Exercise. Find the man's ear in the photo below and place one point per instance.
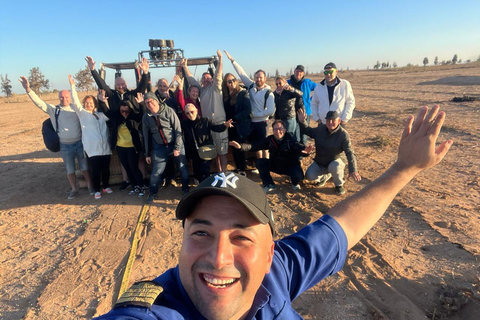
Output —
(270, 258)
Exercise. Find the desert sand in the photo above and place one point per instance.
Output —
(65, 259)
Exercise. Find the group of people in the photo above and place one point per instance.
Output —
(230, 266)
(167, 128)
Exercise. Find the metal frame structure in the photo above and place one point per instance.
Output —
(162, 54)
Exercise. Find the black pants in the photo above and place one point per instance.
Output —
(264, 167)
(201, 168)
(100, 167)
(129, 159)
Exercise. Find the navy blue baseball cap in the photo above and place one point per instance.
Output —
(249, 193)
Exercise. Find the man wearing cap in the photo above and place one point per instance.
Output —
(333, 94)
(162, 135)
(230, 267)
(298, 81)
(331, 140)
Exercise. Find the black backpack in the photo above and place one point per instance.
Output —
(50, 135)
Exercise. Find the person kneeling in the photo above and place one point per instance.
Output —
(285, 154)
(331, 140)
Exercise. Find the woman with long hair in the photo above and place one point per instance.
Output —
(94, 138)
(237, 106)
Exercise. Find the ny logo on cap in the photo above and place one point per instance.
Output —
(229, 180)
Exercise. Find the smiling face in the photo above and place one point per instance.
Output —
(206, 79)
(330, 74)
(260, 79)
(89, 104)
(152, 105)
(124, 111)
(162, 86)
(231, 82)
(65, 98)
(332, 124)
(120, 85)
(278, 131)
(225, 255)
(191, 111)
(298, 74)
(193, 93)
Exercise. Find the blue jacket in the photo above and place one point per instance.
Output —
(306, 86)
(300, 262)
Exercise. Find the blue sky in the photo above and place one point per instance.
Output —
(57, 35)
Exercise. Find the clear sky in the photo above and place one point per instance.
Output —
(57, 35)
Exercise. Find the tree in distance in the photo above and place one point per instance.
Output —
(435, 62)
(425, 61)
(454, 59)
(6, 86)
(83, 79)
(37, 80)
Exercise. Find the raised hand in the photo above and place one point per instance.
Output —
(417, 150)
(302, 115)
(229, 56)
(139, 98)
(144, 65)
(25, 84)
(219, 54)
(101, 95)
(90, 62)
(71, 80)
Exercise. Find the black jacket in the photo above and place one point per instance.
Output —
(201, 127)
(132, 122)
(171, 102)
(283, 154)
(242, 112)
(287, 103)
(114, 97)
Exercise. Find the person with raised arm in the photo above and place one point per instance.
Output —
(94, 138)
(69, 132)
(229, 265)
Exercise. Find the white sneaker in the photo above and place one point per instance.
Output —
(98, 195)
(269, 187)
(107, 190)
(255, 171)
(296, 187)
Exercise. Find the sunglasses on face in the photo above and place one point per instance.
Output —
(231, 81)
(329, 71)
(124, 111)
(279, 84)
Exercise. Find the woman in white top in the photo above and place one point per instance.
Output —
(94, 138)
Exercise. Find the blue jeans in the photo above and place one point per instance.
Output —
(68, 152)
(300, 133)
(160, 155)
(292, 127)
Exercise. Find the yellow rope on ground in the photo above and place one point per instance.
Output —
(133, 251)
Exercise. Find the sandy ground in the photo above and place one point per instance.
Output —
(64, 259)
